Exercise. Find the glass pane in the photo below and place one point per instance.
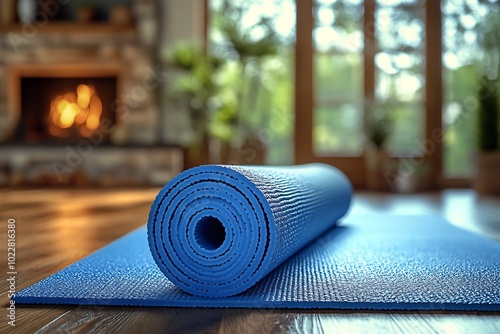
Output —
(399, 71)
(462, 57)
(407, 128)
(338, 77)
(338, 26)
(337, 130)
(399, 27)
(252, 17)
(399, 76)
(329, 2)
(398, 2)
(459, 137)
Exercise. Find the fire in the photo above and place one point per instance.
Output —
(81, 110)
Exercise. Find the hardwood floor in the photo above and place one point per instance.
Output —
(55, 228)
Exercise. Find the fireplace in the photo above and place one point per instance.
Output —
(78, 125)
(65, 110)
(61, 83)
(62, 103)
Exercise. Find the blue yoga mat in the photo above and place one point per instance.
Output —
(215, 231)
(228, 236)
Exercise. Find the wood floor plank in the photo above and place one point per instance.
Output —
(356, 322)
(256, 321)
(30, 319)
(88, 320)
(464, 323)
(412, 323)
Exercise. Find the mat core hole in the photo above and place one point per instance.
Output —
(209, 233)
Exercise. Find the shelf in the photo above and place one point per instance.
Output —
(73, 28)
(61, 145)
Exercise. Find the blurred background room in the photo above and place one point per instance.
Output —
(401, 95)
(102, 102)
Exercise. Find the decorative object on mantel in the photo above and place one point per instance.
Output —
(487, 180)
(26, 10)
(86, 12)
(380, 168)
(120, 15)
(8, 13)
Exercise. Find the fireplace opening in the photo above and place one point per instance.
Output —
(65, 110)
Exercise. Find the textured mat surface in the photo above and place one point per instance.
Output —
(215, 231)
(373, 262)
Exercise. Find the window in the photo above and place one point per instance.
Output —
(353, 56)
(340, 99)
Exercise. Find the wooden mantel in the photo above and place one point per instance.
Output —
(71, 27)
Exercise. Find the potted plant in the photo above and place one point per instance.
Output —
(194, 88)
(226, 98)
(487, 180)
(249, 52)
(380, 168)
(412, 176)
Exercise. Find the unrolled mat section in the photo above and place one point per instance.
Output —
(215, 231)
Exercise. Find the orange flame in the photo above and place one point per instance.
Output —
(81, 110)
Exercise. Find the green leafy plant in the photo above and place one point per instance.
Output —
(488, 85)
(249, 47)
(194, 85)
(378, 127)
(196, 88)
(246, 47)
(226, 97)
(488, 114)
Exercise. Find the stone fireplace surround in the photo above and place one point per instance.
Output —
(134, 155)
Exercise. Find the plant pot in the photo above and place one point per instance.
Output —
(381, 170)
(412, 183)
(251, 152)
(198, 154)
(412, 176)
(487, 180)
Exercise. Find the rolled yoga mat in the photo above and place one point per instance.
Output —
(215, 231)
